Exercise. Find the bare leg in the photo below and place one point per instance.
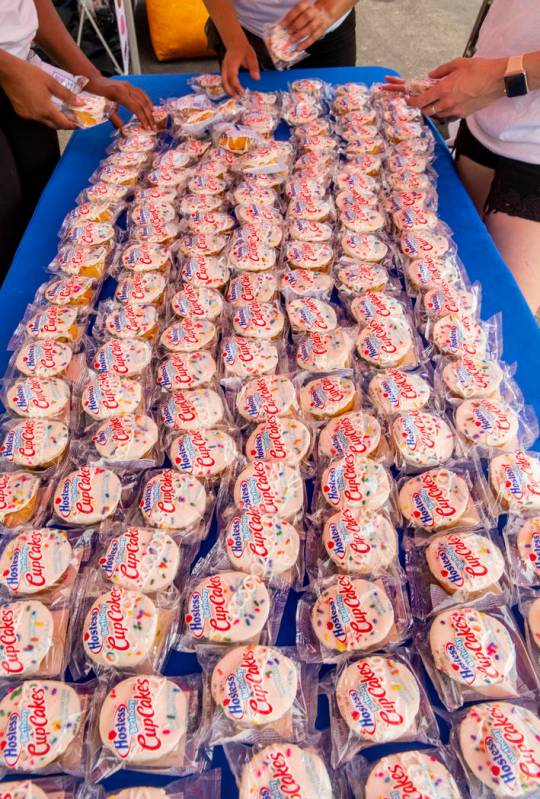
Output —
(518, 241)
(477, 180)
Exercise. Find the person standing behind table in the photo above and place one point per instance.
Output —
(497, 94)
(29, 119)
(325, 28)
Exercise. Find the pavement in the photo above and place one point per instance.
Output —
(408, 35)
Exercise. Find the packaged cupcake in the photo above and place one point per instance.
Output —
(51, 741)
(261, 397)
(355, 482)
(208, 454)
(328, 396)
(188, 335)
(281, 439)
(122, 629)
(50, 323)
(231, 607)
(81, 261)
(197, 409)
(126, 321)
(281, 763)
(472, 654)
(306, 283)
(108, 394)
(326, 352)
(39, 445)
(263, 321)
(389, 344)
(263, 545)
(145, 256)
(252, 286)
(514, 479)
(249, 357)
(270, 488)
(186, 370)
(454, 568)
(160, 735)
(421, 439)
(497, 743)
(44, 360)
(346, 614)
(451, 496)
(58, 787)
(206, 785)
(198, 302)
(378, 699)
(122, 357)
(124, 442)
(489, 426)
(21, 498)
(357, 433)
(253, 691)
(205, 271)
(353, 543)
(522, 540)
(86, 496)
(170, 500)
(430, 773)
(395, 390)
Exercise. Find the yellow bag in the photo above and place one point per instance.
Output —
(177, 28)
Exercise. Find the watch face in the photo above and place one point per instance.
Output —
(516, 85)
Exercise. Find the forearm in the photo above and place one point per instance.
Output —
(531, 64)
(8, 66)
(225, 19)
(55, 39)
(532, 67)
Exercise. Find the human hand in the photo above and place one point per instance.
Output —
(238, 54)
(394, 84)
(31, 90)
(306, 22)
(462, 86)
(124, 93)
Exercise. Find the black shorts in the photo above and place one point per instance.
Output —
(515, 189)
(336, 49)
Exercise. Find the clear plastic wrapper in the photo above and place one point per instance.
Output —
(74, 290)
(354, 277)
(143, 256)
(473, 655)
(195, 409)
(209, 454)
(44, 359)
(468, 377)
(497, 744)
(260, 397)
(421, 439)
(160, 232)
(94, 211)
(439, 302)
(454, 568)
(211, 85)
(255, 693)
(326, 352)
(395, 390)
(429, 773)
(126, 321)
(489, 426)
(59, 787)
(522, 540)
(39, 445)
(269, 488)
(89, 494)
(353, 481)
(186, 370)
(354, 543)
(283, 52)
(327, 396)
(23, 498)
(447, 497)
(122, 630)
(187, 335)
(128, 357)
(51, 740)
(206, 785)
(296, 283)
(81, 261)
(378, 699)
(243, 358)
(286, 764)
(108, 394)
(263, 545)
(430, 272)
(390, 343)
(52, 323)
(514, 479)
(160, 732)
(249, 286)
(345, 614)
(126, 442)
(230, 607)
(141, 288)
(358, 433)
(151, 212)
(460, 335)
(378, 305)
(205, 271)
(37, 398)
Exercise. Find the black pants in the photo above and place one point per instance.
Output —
(336, 49)
(28, 154)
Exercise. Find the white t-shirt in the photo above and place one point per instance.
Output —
(510, 126)
(18, 26)
(256, 15)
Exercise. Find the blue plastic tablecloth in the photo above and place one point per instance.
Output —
(476, 249)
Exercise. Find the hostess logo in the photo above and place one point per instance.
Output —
(451, 565)
(13, 577)
(238, 535)
(13, 740)
(460, 660)
(232, 700)
(424, 507)
(502, 756)
(120, 735)
(194, 619)
(364, 709)
(93, 637)
(113, 556)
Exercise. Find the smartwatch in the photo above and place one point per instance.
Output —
(515, 77)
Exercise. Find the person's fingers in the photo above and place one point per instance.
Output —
(116, 120)
(225, 79)
(147, 109)
(395, 88)
(298, 10)
(309, 28)
(394, 79)
(233, 79)
(62, 93)
(315, 36)
(302, 21)
(56, 119)
(445, 69)
(252, 64)
(423, 99)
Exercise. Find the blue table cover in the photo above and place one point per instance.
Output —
(500, 294)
